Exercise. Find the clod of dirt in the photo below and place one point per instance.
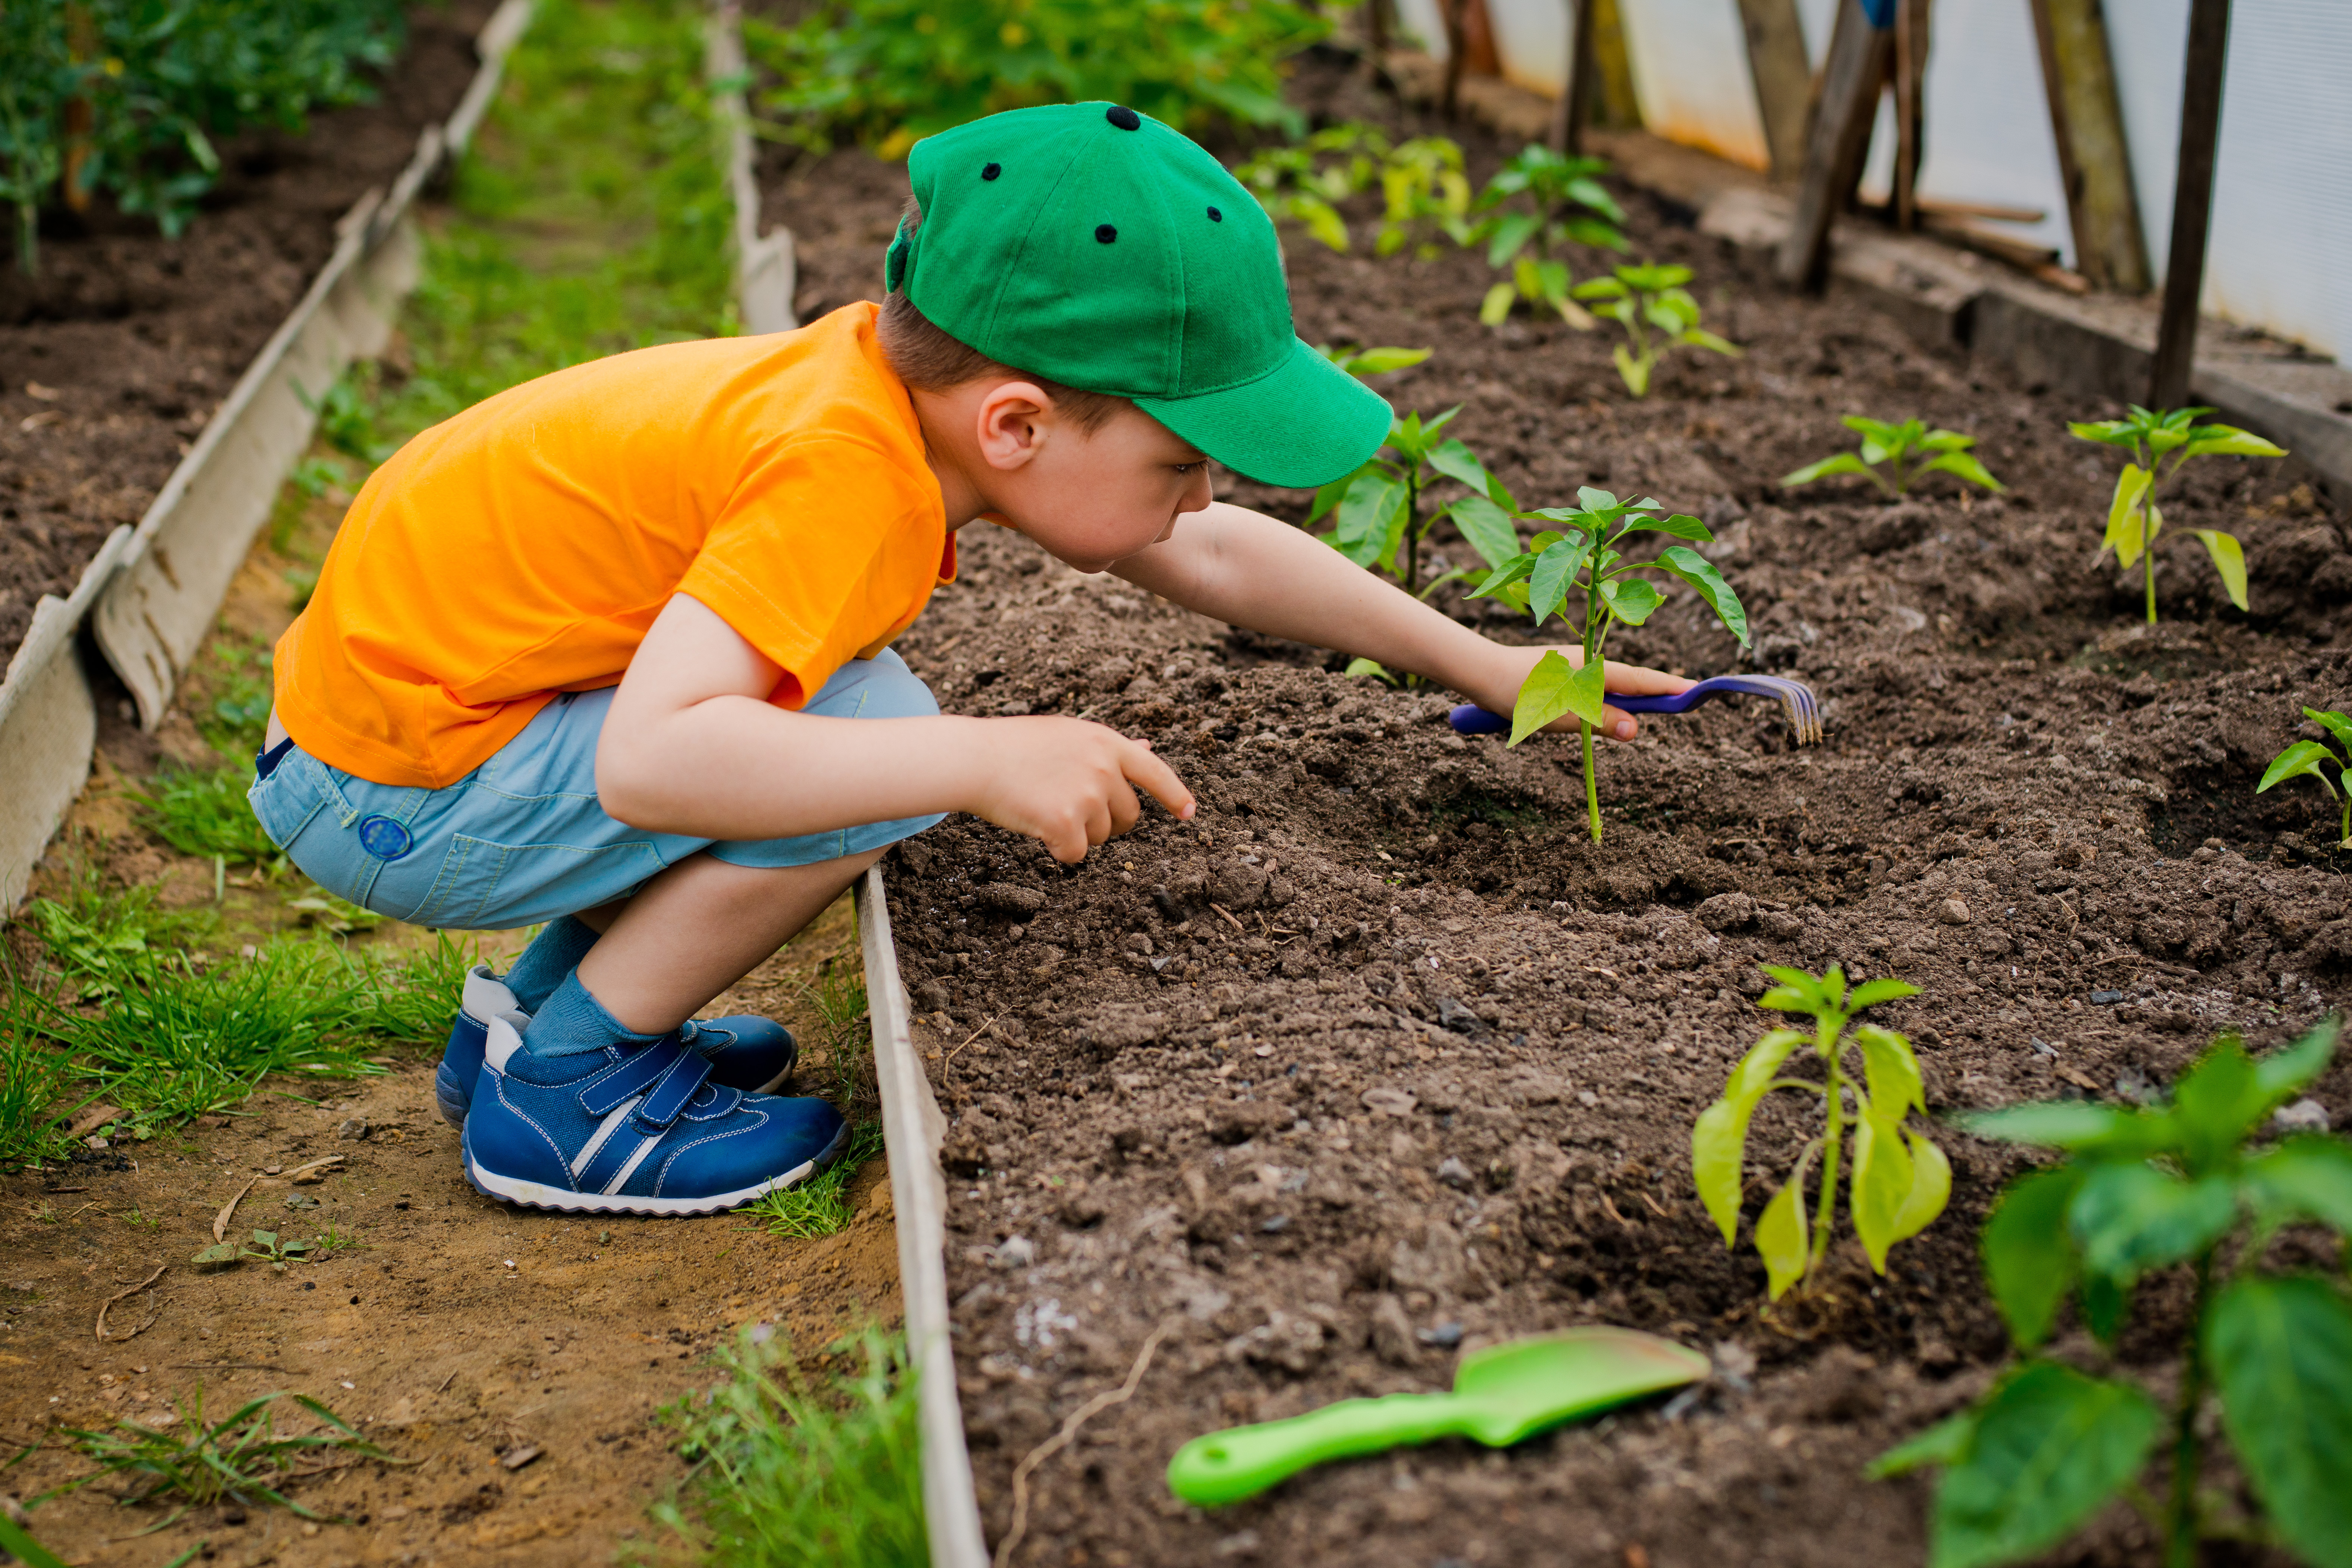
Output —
(1953, 912)
(351, 1127)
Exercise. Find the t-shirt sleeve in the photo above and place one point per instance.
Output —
(822, 548)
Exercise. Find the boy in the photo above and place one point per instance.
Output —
(610, 650)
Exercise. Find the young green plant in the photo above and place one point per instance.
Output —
(2313, 758)
(2133, 518)
(1577, 562)
(1360, 361)
(1898, 1181)
(1423, 192)
(197, 1462)
(2143, 1190)
(1909, 452)
(1658, 315)
(1537, 203)
(1379, 515)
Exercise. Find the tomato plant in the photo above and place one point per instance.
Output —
(1379, 515)
(1908, 451)
(1580, 558)
(1899, 1179)
(2312, 758)
(1422, 189)
(2142, 1190)
(1658, 315)
(1537, 202)
(2133, 518)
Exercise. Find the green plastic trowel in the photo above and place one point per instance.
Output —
(1502, 1395)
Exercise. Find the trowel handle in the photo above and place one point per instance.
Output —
(1242, 1461)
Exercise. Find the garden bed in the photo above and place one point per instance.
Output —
(1426, 1077)
(120, 349)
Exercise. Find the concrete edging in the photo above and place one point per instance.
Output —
(151, 592)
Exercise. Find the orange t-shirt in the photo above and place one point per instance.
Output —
(524, 547)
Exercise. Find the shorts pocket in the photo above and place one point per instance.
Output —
(487, 886)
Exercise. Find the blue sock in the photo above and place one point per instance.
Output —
(574, 1022)
(552, 954)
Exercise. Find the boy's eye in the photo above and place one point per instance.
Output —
(1189, 468)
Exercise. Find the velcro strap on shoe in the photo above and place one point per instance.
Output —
(617, 1086)
(667, 1098)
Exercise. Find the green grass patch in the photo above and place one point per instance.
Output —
(196, 1463)
(820, 1206)
(203, 811)
(786, 1473)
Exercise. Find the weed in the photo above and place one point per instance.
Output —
(1899, 1181)
(1559, 201)
(314, 477)
(820, 1206)
(266, 1246)
(345, 425)
(839, 998)
(15, 1538)
(412, 997)
(236, 1459)
(1425, 194)
(105, 940)
(785, 1474)
(2133, 519)
(205, 813)
(886, 72)
(33, 1081)
(1377, 512)
(236, 678)
(2141, 1190)
(1658, 315)
(324, 910)
(138, 1221)
(331, 1241)
(1909, 450)
(1581, 555)
(2312, 756)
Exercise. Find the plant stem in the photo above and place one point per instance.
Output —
(1412, 527)
(2147, 558)
(2180, 1505)
(1591, 789)
(1825, 1212)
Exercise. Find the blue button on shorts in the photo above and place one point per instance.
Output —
(522, 840)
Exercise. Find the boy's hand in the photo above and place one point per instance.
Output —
(1070, 783)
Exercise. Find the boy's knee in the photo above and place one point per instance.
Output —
(886, 688)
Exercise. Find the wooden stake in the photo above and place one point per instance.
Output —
(1573, 111)
(2094, 156)
(2192, 202)
(1456, 48)
(1838, 142)
(1911, 31)
(1783, 79)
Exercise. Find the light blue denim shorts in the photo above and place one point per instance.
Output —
(522, 840)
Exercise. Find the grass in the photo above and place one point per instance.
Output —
(242, 1458)
(786, 1474)
(203, 811)
(820, 1206)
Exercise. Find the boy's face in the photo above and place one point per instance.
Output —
(1090, 497)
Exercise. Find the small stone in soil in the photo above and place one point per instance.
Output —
(2303, 1116)
(1445, 1336)
(2105, 998)
(354, 1127)
(1454, 1174)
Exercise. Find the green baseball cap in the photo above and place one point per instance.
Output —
(1096, 246)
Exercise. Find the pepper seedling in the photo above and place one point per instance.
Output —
(1360, 361)
(1899, 1180)
(1657, 313)
(1560, 202)
(2144, 1190)
(2313, 757)
(1910, 452)
(1580, 558)
(1378, 512)
(2133, 518)
(1421, 184)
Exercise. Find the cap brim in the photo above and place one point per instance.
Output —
(1303, 424)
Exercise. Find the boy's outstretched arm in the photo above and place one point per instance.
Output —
(1251, 570)
(691, 745)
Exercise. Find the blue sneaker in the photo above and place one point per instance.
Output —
(640, 1131)
(746, 1051)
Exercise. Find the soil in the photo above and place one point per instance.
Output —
(1382, 1056)
(113, 357)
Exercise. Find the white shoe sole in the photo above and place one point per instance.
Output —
(539, 1195)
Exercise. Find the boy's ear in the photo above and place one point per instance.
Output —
(1015, 419)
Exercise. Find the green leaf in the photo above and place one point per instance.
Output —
(1370, 506)
(2227, 441)
(1630, 599)
(2123, 524)
(1946, 441)
(1457, 462)
(2050, 1445)
(2216, 1102)
(1719, 1137)
(2301, 758)
(2229, 560)
(216, 1256)
(1504, 573)
(2130, 1218)
(2336, 724)
(1965, 467)
(1799, 991)
(2308, 1177)
(1381, 361)
(1488, 529)
(2281, 1351)
(1931, 1188)
(2029, 1260)
(1511, 232)
(1780, 1231)
(1942, 1444)
(1699, 572)
(1634, 373)
(1843, 463)
(1555, 574)
(2075, 1125)
(1549, 691)
(21, 1544)
(1322, 220)
(1599, 289)
(1700, 338)
(1681, 525)
(2283, 1072)
(1496, 308)
(1873, 992)
(1358, 668)
(1882, 1181)
(2114, 432)
(1892, 1072)
(2107, 1303)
